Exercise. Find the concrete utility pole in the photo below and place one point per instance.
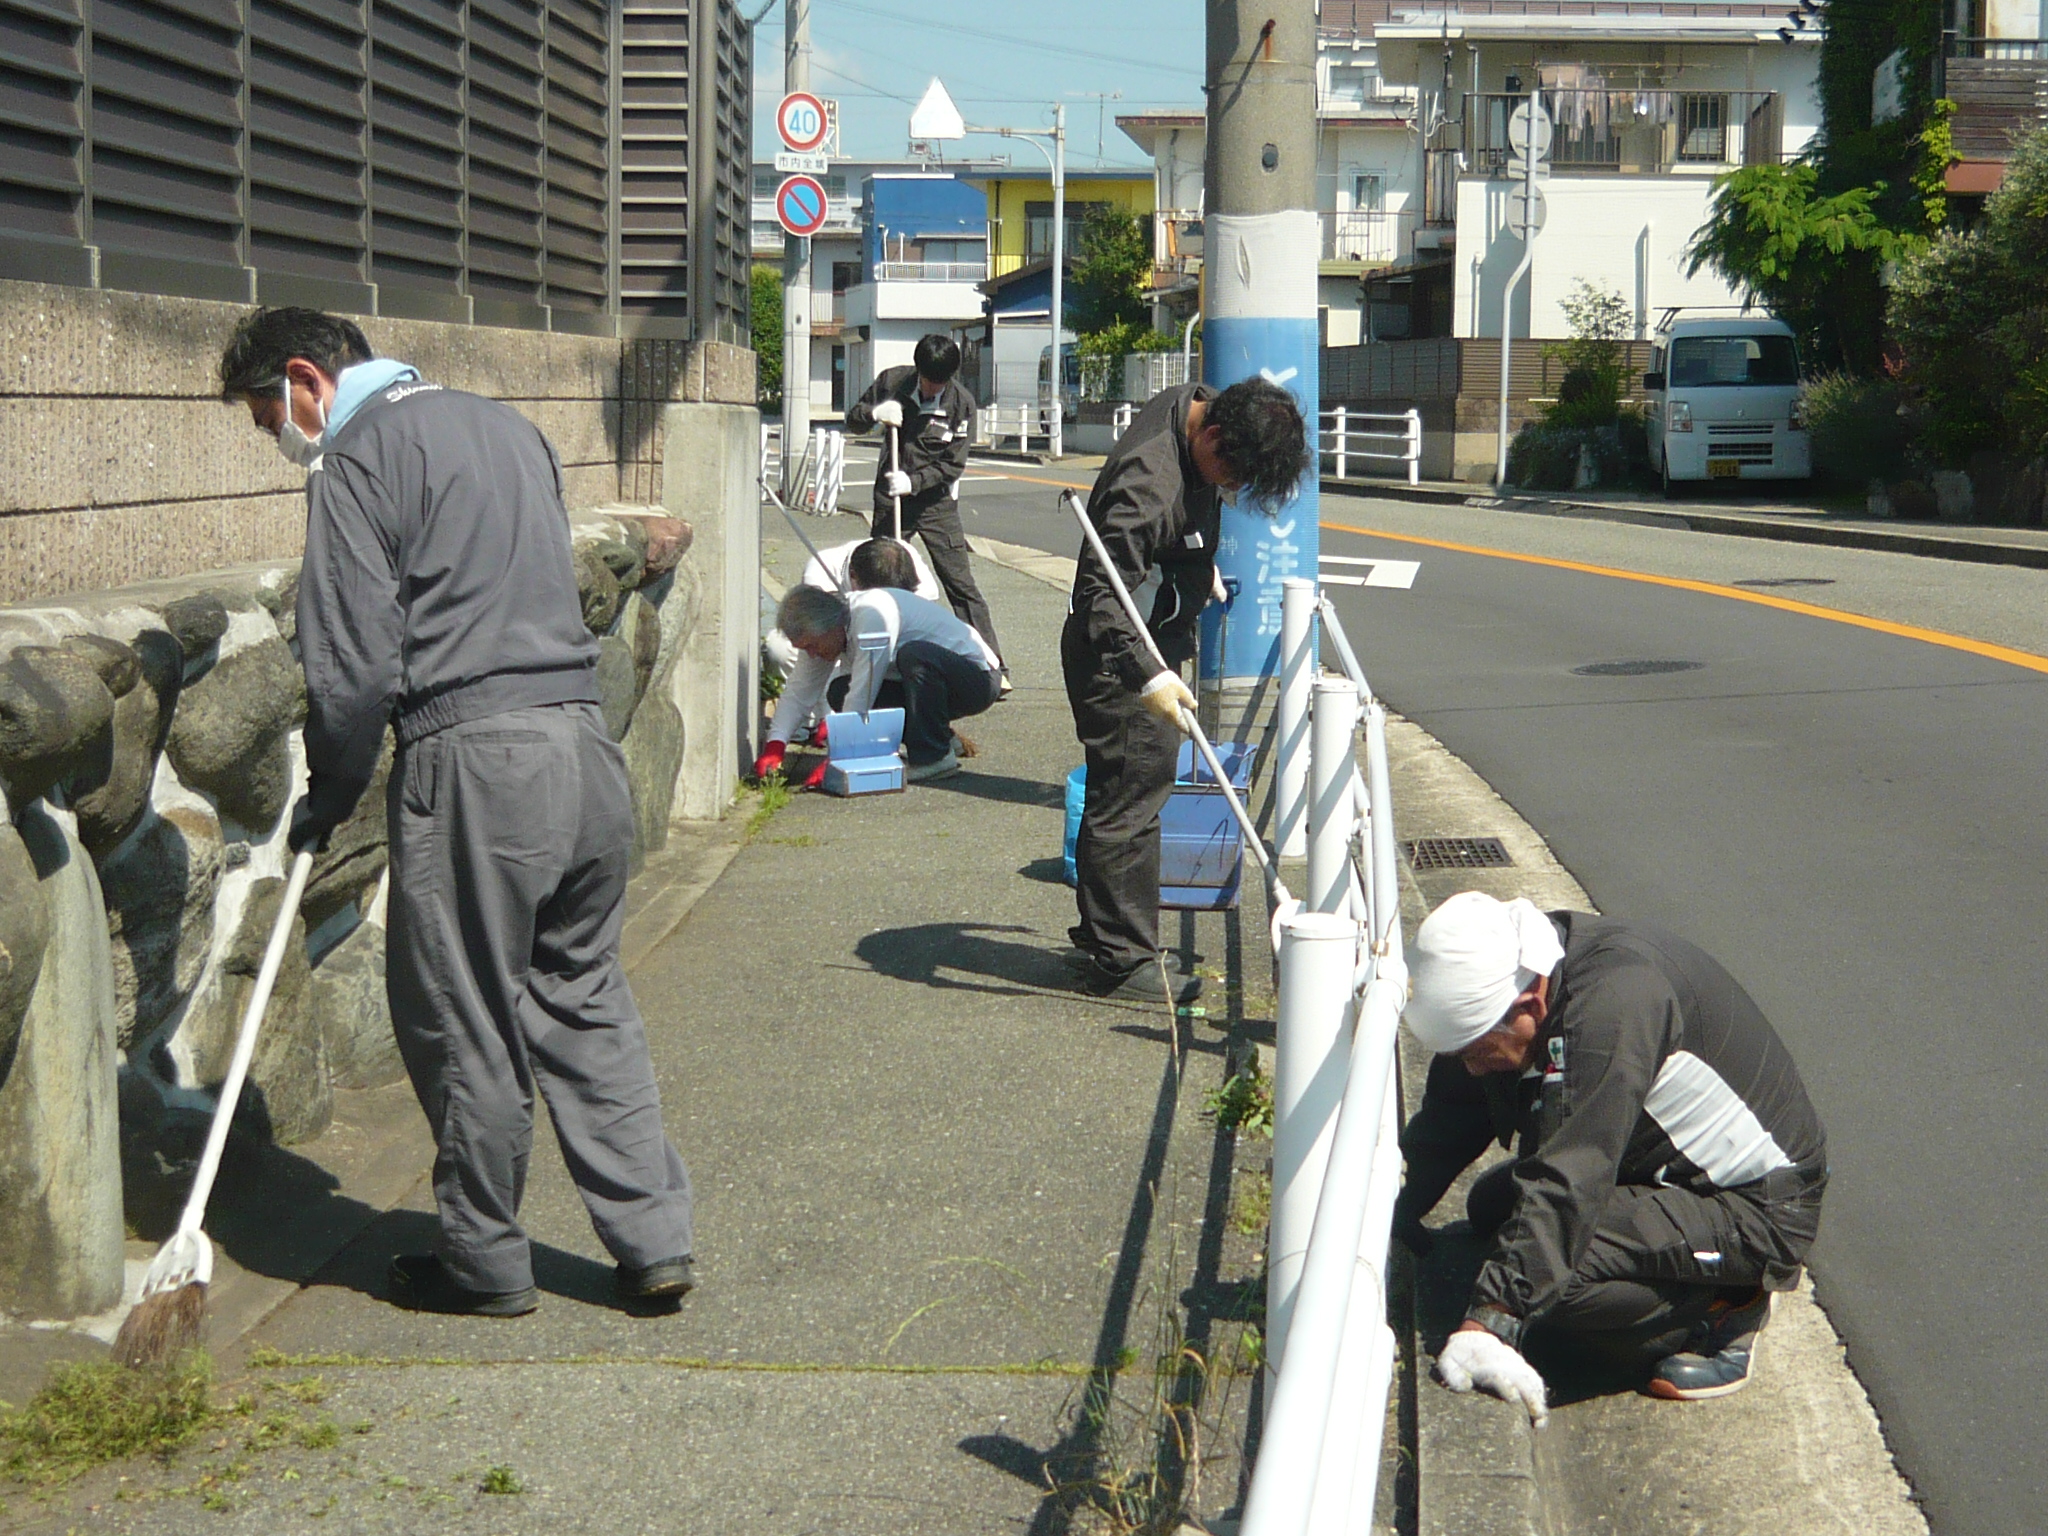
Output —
(1261, 246)
(796, 269)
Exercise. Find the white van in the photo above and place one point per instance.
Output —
(1725, 401)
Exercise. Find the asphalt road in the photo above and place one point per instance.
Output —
(1848, 816)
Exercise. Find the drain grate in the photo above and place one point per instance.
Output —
(1458, 853)
(1634, 668)
(1784, 581)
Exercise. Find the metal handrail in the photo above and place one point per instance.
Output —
(1337, 437)
(1330, 1348)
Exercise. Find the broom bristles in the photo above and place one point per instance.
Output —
(162, 1327)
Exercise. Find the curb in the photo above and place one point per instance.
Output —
(1740, 525)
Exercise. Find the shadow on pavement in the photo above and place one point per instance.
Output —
(918, 954)
(1001, 787)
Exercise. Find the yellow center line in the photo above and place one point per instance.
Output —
(2005, 653)
(1065, 485)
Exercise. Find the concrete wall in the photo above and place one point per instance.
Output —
(119, 463)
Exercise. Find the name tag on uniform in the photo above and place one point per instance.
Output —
(1193, 541)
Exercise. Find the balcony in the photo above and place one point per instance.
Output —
(2000, 87)
(930, 271)
(1374, 235)
(1635, 131)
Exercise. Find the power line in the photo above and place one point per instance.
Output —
(1060, 49)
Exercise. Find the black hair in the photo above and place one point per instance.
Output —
(881, 563)
(253, 361)
(1261, 436)
(937, 358)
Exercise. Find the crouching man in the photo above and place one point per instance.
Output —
(1669, 1166)
(944, 670)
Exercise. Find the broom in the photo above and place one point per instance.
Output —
(172, 1305)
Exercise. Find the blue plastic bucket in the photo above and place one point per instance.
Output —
(1077, 796)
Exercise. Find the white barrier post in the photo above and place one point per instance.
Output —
(1343, 428)
(1318, 957)
(1297, 670)
(1414, 447)
(1333, 729)
(1386, 869)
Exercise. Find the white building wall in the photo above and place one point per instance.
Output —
(1623, 234)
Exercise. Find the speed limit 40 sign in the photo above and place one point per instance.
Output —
(800, 120)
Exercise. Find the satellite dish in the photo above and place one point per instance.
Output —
(935, 117)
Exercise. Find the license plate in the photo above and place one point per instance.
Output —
(1724, 469)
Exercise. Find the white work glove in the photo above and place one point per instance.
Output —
(889, 414)
(1165, 696)
(895, 483)
(1218, 593)
(1475, 1358)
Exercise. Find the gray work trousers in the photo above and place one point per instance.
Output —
(509, 840)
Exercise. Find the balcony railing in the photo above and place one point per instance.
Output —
(2011, 49)
(1440, 187)
(2000, 88)
(828, 307)
(1635, 130)
(1367, 235)
(930, 271)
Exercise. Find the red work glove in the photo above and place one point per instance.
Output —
(818, 737)
(770, 760)
(817, 774)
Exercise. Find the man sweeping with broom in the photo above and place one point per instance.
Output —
(438, 596)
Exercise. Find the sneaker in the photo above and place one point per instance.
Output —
(918, 773)
(420, 1283)
(1724, 1359)
(1150, 982)
(1004, 687)
(657, 1282)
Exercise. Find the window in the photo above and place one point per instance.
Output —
(1038, 229)
(845, 275)
(1350, 85)
(1702, 128)
(839, 378)
(1730, 361)
(1367, 194)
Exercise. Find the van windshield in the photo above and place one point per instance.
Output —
(1709, 361)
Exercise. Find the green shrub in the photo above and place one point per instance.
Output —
(1545, 457)
(1857, 432)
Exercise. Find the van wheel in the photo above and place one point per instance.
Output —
(1664, 473)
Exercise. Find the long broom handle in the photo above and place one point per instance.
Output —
(1187, 716)
(245, 1045)
(895, 435)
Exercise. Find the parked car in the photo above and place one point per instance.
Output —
(1725, 401)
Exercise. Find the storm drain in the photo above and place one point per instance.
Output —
(1458, 853)
(1634, 668)
(1785, 581)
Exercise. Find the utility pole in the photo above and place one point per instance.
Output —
(796, 269)
(1056, 443)
(1262, 241)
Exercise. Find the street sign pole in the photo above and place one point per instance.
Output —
(1535, 142)
(796, 256)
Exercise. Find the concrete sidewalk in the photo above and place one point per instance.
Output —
(1786, 522)
(966, 1241)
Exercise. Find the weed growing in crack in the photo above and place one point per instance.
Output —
(1244, 1103)
(501, 1480)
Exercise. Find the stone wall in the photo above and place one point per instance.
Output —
(149, 755)
(121, 464)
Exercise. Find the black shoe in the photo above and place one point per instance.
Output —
(1148, 983)
(1724, 1360)
(421, 1284)
(671, 1278)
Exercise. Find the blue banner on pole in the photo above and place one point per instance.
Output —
(1257, 550)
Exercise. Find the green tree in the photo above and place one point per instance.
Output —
(1969, 315)
(767, 323)
(1813, 260)
(1589, 394)
(1112, 272)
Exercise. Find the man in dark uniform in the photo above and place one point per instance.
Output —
(1670, 1167)
(932, 415)
(1155, 504)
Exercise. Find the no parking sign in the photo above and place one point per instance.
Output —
(801, 206)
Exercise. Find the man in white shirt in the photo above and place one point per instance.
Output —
(857, 566)
(944, 670)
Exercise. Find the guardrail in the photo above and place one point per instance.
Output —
(819, 475)
(1343, 428)
(1022, 421)
(930, 271)
(1336, 1159)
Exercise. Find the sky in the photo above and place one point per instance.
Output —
(1005, 64)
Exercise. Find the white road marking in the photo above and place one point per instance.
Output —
(1379, 573)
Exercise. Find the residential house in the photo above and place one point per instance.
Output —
(1368, 188)
(1996, 72)
(839, 265)
(1017, 331)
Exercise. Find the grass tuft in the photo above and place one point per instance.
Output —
(93, 1412)
(1244, 1103)
(774, 793)
(501, 1480)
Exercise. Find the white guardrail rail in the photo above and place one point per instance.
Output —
(819, 475)
(1336, 1156)
(1348, 435)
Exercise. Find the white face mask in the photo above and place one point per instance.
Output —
(292, 441)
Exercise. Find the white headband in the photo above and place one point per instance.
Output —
(1472, 957)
